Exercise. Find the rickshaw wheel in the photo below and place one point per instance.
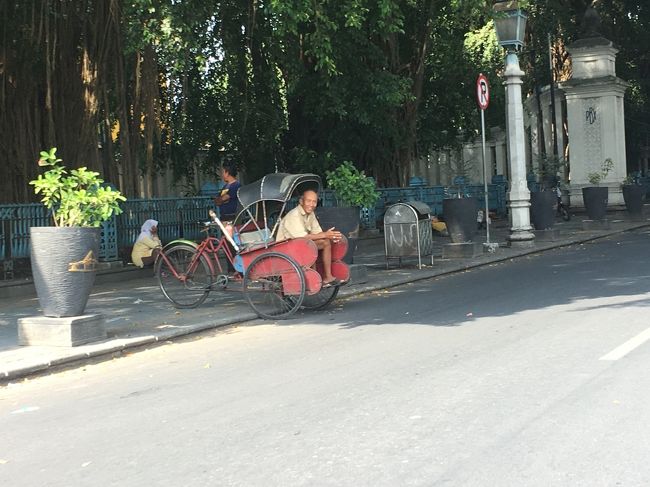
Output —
(321, 299)
(193, 287)
(274, 285)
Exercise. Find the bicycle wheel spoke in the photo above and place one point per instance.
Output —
(185, 281)
(274, 286)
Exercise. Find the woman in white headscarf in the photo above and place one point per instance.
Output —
(147, 245)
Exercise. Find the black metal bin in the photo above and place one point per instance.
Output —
(407, 231)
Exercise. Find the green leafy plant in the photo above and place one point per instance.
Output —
(460, 170)
(76, 197)
(547, 168)
(630, 180)
(352, 187)
(596, 178)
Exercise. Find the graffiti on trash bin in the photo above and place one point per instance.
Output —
(403, 237)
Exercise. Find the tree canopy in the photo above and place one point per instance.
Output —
(132, 88)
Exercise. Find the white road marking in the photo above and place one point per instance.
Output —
(628, 346)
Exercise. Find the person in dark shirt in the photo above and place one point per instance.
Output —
(227, 201)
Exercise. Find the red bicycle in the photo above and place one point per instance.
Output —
(278, 277)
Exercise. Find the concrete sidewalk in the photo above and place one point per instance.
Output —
(137, 314)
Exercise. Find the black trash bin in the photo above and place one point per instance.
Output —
(407, 231)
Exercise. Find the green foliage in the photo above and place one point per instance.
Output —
(630, 180)
(548, 166)
(352, 187)
(460, 170)
(292, 85)
(76, 197)
(596, 178)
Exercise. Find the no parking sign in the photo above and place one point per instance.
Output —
(483, 99)
(482, 91)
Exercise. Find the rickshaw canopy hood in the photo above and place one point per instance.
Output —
(277, 187)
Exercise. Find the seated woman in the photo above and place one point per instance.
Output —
(147, 245)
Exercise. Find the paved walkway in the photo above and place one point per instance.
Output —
(137, 314)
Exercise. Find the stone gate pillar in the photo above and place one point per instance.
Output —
(595, 116)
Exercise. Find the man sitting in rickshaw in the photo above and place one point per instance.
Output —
(302, 222)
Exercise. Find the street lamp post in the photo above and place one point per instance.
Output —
(510, 24)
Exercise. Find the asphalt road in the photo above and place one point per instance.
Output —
(532, 372)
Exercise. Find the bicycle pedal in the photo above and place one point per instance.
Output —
(221, 281)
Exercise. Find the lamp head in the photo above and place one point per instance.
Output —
(510, 24)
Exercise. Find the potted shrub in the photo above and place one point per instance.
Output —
(64, 256)
(353, 190)
(595, 196)
(544, 199)
(633, 194)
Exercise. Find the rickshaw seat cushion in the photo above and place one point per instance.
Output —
(313, 281)
(340, 248)
(257, 237)
(340, 270)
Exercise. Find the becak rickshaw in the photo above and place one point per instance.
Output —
(278, 277)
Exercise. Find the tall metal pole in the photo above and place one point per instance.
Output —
(486, 215)
(518, 196)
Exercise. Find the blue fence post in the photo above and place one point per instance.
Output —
(108, 244)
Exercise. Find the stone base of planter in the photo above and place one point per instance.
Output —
(61, 332)
(465, 250)
(358, 274)
(595, 224)
(637, 217)
(550, 235)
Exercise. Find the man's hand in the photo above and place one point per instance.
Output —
(333, 234)
(218, 200)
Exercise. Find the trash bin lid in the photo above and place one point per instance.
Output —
(409, 212)
(422, 208)
(400, 213)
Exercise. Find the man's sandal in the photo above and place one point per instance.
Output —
(332, 283)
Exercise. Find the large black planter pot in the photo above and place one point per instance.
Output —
(346, 220)
(595, 199)
(542, 209)
(460, 216)
(633, 195)
(64, 263)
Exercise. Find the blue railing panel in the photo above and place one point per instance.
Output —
(108, 249)
(15, 223)
(179, 217)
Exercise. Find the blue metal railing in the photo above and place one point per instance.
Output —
(16, 220)
(179, 217)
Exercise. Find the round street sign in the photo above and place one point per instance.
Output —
(482, 91)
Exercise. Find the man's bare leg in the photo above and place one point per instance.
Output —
(325, 248)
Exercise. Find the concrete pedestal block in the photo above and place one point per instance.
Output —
(358, 274)
(595, 224)
(61, 332)
(466, 250)
(550, 235)
(637, 217)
